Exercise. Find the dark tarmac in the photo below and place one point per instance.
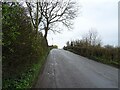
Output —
(64, 69)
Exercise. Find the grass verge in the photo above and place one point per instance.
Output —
(100, 59)
(28, 78)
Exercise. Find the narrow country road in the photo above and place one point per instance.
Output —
(64, 69)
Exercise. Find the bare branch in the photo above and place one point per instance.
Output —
(30, 12)
(59, 11)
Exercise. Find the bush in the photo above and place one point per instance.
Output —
(21, 50)
(97, 53)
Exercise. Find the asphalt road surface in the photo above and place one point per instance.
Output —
(64, 69)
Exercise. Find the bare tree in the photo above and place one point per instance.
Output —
(48, 14)
(35, 13)
(56, 12)
(92, 38)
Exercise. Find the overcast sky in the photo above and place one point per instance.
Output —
(99, 14)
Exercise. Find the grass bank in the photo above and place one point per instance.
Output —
(97, 55)
(28, 78)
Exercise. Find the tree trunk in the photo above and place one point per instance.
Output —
(37, 20)
(46, 32)
(45, 36)
(46, 41)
